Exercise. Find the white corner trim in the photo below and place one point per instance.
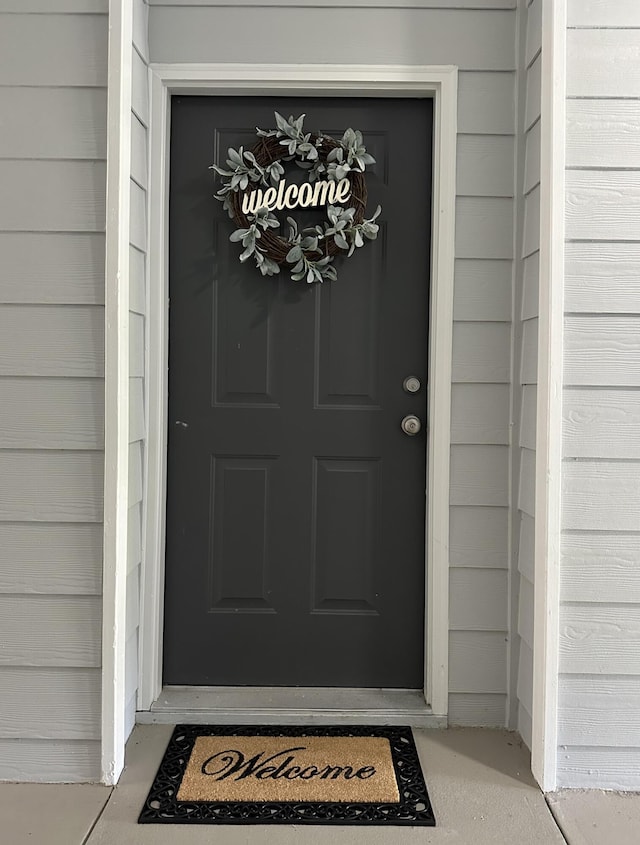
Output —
(548, 498)
(439, 82)
(116, 446)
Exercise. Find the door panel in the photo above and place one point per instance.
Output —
(295, 504)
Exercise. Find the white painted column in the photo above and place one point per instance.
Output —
(116, 452)
(549, 412)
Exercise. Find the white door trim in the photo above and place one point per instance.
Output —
(313, 80)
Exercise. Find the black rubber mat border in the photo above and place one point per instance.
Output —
(414, 808)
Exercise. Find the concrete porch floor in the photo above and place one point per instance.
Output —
(478, 780)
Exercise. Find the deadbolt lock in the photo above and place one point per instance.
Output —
(411, 384)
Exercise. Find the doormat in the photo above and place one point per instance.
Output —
(214, 774)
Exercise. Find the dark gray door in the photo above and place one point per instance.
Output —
(296, 505)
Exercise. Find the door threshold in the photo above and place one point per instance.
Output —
(290, 706)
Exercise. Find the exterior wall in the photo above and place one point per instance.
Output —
(599, 683)
(53, 76)
(479, 37)
(525, 359)
(53, 73)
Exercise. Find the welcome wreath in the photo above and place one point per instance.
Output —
(253, 186)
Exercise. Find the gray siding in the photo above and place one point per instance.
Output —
(525, 339)
(137, 310)
(479, 37)
(470, 38)
(52, 215)
(599, 685)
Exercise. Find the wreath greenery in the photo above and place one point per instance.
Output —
(308, 253)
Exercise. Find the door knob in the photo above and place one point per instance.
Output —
(411, 425)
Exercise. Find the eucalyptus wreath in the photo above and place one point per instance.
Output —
(308, 253)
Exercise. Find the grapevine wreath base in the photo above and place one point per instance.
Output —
(252, 187)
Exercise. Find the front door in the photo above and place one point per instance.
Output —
(296, 502)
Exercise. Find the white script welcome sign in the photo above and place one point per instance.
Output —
(291, 196)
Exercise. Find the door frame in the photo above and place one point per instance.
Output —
(436, 82)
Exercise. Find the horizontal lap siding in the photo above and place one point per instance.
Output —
(478, 37)
(479, 475)
(50, 703)
(602, 350)
(137, 283)
(524, 688)
(52, 218)
(602, 63)
(528, 406)
(48, 413)
(602, 278)
(485, 165)
(602, 206)
(484, 227)
(353, 4)
(526, 366)
(481, 352)
(478, 599)
(72, 564)
(612, 768)
(601, 423)
(480, 414)
(53, 196)
(526, 486)
(601, 495)
(480, 661)
(137, 306)
(52, 269)
(54, 123)
(49, 760)
(486, 103)
(53, 50)
(61, 341)
(51, 486)
(61, 6)
(136, 409)
(482, 290)
(486, 709)
(479, 516)
(600, 566)
(603, 13)
(581, 702)
(67, 632)
(477, 536)
(599, 690)
(602, 134)
(530, 286)
(472, 39)
(599, 639)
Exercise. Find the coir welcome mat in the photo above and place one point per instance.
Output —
(289, 775)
